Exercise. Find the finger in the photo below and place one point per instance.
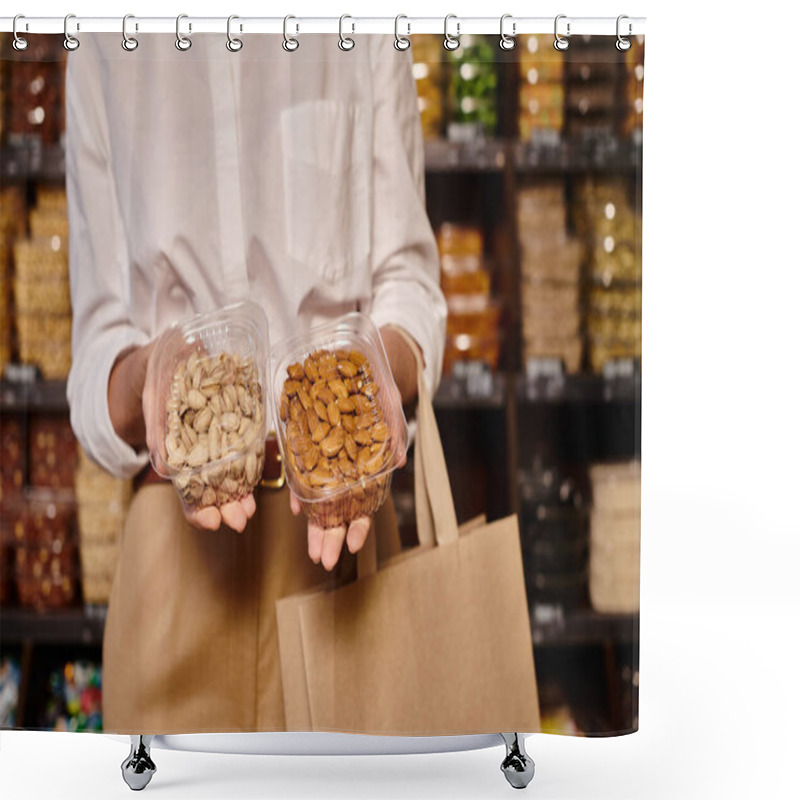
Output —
(249, 505)
(332, 546)
(233, 515)
(207, 518)
(294, 503)
(316, 536)
(357, 534)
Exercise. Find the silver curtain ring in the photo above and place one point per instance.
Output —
(70, 42)
(129, 43)
(290, 44)
(401, 42)
(451, 42)
(345, 42)
(623, 44)
(561, 42)
(183, 43)
(19, 42)
(233, 44)
(507, 42)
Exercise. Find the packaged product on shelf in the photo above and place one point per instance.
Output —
(591, 72)
(473, 331)
(102, 503)
(36, 85)
(550, 277)
(6, 560)
(41, 517)
(554, 538)
(12, 214)
(472, 93)
(634, 89)
(12, 227)
(42, 295)
(568, 349)
(556, 259)
(75, 698)
(5, 313)
(541, 320)
(542, 99)
(473, 321)
(610, 327)
(51, 198)
(464, 275)
(603, 351)
(599, 99)
(614, 537)
(53, 451)
(42, 302)
(616, 487)
(45, 553)
(9, 691)
(427, 70)
(12, 457)
(46, 223)
(42, 560)
(454, 239)
(541, 90)
(624, 301)
(40, 260)
(612, 231)
(593, 77)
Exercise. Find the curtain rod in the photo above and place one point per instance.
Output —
(567, 26)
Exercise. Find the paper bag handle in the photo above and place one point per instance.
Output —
(433, 498)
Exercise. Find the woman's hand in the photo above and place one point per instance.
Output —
(235, 515)
(325, 544)
(132, 408)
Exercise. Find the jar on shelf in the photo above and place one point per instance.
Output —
(427, 71)
(472, 90)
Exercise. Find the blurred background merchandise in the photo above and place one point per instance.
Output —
(533, 188)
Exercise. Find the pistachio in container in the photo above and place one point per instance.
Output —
(339, 419)
(209, 411)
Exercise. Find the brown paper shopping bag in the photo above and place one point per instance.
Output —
(435, 642)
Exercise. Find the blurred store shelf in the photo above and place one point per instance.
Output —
(67, 626)
(36, 395)
(580, 628)
(32, 160)
(577, 155)
(581, 388)
(76, 626)
(483, 155)
(479, 390)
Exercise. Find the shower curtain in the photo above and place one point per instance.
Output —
(450, 545)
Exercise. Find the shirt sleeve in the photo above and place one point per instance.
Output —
(98, 270)
(405, 265)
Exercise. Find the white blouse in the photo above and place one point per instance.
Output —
(198, 178)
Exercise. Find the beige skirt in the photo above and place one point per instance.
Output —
(191, 640)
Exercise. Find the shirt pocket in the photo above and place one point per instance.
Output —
(325, 145)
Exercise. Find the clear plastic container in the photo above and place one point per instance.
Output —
(339, 419)
(210, 412)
